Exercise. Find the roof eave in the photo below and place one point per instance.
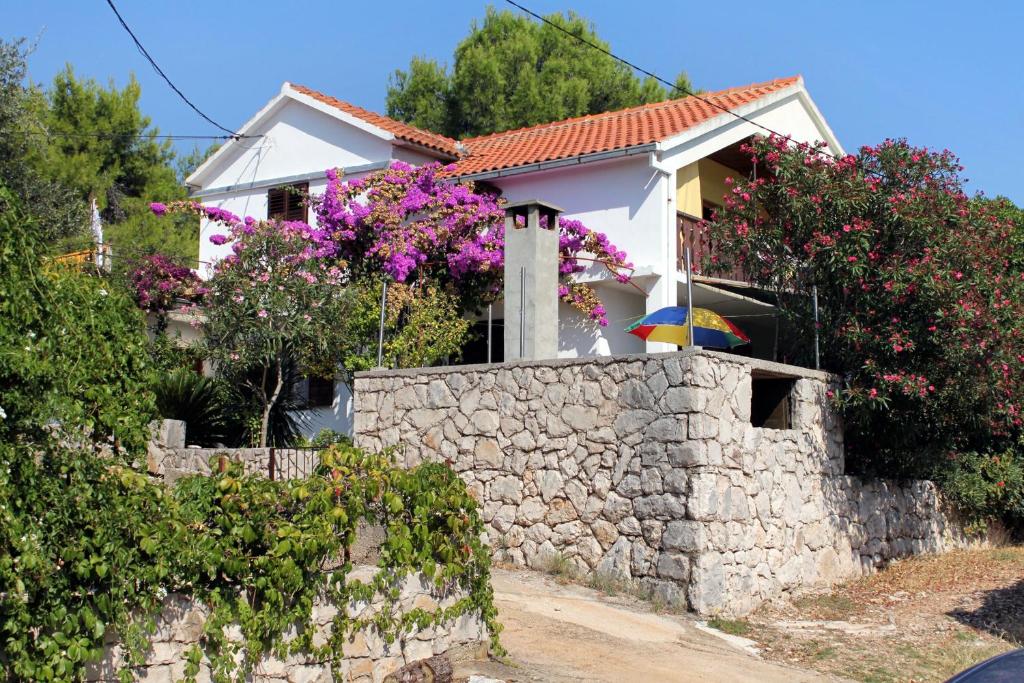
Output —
(576, 160)
(797, 89)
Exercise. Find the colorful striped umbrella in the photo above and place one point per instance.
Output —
(669, 325)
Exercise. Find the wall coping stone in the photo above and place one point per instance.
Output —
(767, 366)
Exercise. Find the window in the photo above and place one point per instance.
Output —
(288, 202)
(475, 349)
(319, 392)
(770, 404)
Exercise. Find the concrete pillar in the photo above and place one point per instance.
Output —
(531, 280)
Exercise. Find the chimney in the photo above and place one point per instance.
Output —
(531, 280)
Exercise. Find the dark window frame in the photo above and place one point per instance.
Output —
(288, 202)
(319, 392)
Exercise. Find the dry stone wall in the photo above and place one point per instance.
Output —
(368, 659)
(170, 458)
(647, 468)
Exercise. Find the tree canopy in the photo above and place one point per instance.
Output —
(511, 72)
(76, 140)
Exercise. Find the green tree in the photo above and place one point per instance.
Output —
(511, 72)
(270, 306)
(101, 145)
(52, 206)
(920, 295)
(184, 166)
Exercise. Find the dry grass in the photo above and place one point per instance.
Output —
(922, 619)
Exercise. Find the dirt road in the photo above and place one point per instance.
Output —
(563, 633)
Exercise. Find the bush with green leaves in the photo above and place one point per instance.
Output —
(89, 545)
(986, 486)
(73, 350)
(201, 403)
(324, 438)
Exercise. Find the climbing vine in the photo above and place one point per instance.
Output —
(93, 547)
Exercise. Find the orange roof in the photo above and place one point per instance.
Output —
(595, 133)
(400, 130)
(590, 134)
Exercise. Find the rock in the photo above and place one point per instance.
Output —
(684, 535)
(421, 418)
(706, 591)
(616, 561)
(507, 489)
(550, 484)
(485, 422)
(580, 418)
(439, 395)
(616, 507)
(605, 532)
(487, 454)
(674, 566)
(667, 429)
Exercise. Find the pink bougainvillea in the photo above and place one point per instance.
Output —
(413, 225)
(409, 222)
(158, 282)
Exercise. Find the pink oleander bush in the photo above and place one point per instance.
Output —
(920, 286)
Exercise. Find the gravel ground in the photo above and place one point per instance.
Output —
(921, 619)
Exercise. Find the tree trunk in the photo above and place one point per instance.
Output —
(271, 402)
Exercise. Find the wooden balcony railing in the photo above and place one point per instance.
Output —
(691, 231)
(85, 258)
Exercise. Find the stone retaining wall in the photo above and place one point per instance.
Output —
(367, 657)
(170, 458)
(647, 468)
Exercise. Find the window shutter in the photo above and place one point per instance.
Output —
(287, 203)
(276, 202)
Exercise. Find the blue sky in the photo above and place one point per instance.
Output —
(942, 74)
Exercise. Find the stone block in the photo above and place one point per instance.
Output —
(685, 535)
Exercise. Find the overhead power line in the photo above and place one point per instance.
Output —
(156, 136)
(160, 71)
(674, 87)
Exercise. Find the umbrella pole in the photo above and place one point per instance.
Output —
(817, 349)
(490, 307)
(380, 336)
(689, 296)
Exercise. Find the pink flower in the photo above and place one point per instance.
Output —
(851, 259)
(262, 313)
(219, 239)
(158, 209)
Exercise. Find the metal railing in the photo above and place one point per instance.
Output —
(292, 463)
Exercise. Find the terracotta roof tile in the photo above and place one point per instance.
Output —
(591, 134)
(400, 130)
(604, 132)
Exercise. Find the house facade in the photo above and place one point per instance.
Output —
(644, 176)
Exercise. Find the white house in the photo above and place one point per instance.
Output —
(642, 175)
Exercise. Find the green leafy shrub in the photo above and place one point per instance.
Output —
(324, 438)
(201, 402)
(986, 487)
(89, 545)
(74, 349)
(252, 549)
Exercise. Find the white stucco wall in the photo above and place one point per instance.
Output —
(628, 200)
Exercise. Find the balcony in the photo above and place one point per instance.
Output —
(691, 231)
